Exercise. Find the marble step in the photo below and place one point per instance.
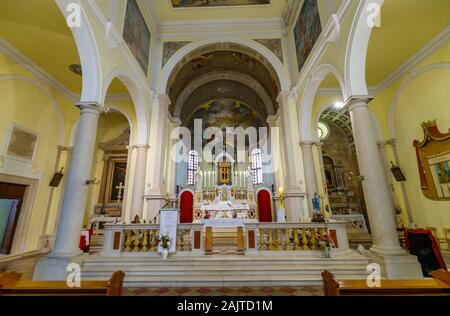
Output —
(228, 281)
(229, 261)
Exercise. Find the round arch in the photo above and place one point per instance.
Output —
(357, 46)
(280, 70)
(141, 131)
(43, 90)
(88, 52)
(404, 85)
(309, 95)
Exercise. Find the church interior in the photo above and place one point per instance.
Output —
(224, 147)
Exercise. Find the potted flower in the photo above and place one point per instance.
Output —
(327, 243)
(164, 242)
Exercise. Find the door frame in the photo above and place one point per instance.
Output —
(28, 202)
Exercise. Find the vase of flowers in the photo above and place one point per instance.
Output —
(164, 242)
(327, 243)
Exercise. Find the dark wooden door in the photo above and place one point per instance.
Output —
(15, 193)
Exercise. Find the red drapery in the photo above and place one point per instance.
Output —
(264, 206)
(186, 207)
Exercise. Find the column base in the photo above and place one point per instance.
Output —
(404, 266)
(55, 268)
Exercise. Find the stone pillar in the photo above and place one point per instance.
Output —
(393, 143)
(74, 200)
(294, 197)
(325, 200)
(157, 195)
(172, 171)
(137, 199)
(386, 250)
(310, 173)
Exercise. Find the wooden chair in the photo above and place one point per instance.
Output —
(438, 286)
(11, 285)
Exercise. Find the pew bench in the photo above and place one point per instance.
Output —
(439, 285)
(11, 285)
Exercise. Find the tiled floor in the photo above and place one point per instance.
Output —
(26, 266)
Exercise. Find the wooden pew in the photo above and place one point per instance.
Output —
(439, 285)
(11, 285)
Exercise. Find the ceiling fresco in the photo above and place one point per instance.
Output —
(216, 3)
(224, 113)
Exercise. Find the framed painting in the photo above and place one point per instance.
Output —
(21, 143)
(137, 34)
(307, 30)
(433, 161)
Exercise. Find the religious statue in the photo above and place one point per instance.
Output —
(250, 177)
(316, 203)
(198, 182)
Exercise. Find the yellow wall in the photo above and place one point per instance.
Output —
(420, 99)
(25, 104)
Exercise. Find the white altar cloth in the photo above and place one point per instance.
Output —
(225, 222)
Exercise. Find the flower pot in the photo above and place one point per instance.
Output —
(165, 253)
(327, 251)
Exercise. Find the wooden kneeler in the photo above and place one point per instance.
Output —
(11, 285)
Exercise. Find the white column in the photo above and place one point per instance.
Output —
(157, 195)
(294, 197)
(310, 173)
(172, 172)
(393, 143)
(380, 210)
(137, 199)
(326, 201)
(76, 190)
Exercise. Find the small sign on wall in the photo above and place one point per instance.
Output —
(21, 143)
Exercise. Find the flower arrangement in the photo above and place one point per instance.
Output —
(327, 242)
(164, 241)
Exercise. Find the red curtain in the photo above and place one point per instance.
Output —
(264, 206)
(186, 207)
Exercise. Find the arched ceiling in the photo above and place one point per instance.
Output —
(223, 71)
(340, 118)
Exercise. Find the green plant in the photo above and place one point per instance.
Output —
(164, 241)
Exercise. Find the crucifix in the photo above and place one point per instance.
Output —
(120, 187)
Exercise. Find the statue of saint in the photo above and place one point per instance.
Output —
(316, 203)
(198, 181)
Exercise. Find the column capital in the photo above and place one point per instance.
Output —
(283, 96)
(357, 101)
(381, 144)
(392, 142)
(91, 107)
(306, 143)
(65, 148)
(163, 99)
(141, 147)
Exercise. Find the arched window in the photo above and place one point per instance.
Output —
(192, 167)
(256, 165)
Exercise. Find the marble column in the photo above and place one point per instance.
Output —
(74, 200)
(325, 199)
(137, 199)
(386, 248)
(157, 195)
(310, 173)
(294, 197)
(393, 144)
(172, 172)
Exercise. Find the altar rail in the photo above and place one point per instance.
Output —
(270, 237)
(142, 239)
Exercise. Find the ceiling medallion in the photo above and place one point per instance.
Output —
(76, 69)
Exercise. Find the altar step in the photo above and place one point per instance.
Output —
(225, 271)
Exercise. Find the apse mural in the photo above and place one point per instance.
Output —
(216, 3)
(306, 31)
(224, 113)
(136, 34)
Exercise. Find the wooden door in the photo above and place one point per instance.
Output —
(14, 194)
